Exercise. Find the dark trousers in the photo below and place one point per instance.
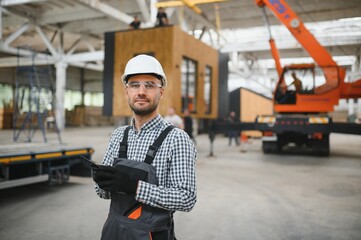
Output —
(164, 235)
(235, 135)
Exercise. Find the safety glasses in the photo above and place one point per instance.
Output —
(135, 86)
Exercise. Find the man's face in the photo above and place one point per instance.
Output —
(144, 100)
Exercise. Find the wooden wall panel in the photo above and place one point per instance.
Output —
(252, 105)
(188, 46)
(169, 45)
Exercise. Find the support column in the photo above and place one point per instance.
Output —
(153, 11)
(1, 24)
(358, 114)
(82, 83)
(60, 92)
(358, 60)
(351, 109)
(234, 59)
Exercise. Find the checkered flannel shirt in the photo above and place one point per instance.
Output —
(174, 164)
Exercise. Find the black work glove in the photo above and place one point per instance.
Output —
(119, 179)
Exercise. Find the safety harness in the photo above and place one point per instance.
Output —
(153, 149)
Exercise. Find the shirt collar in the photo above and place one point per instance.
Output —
(152, 124)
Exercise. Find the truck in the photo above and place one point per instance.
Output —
(301, 116)
(29, 163)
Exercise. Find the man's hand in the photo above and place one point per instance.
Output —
(119, 179)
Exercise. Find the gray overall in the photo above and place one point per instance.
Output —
(129, 219)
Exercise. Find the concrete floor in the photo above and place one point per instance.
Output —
(240, 195)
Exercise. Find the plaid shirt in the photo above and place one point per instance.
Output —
(174, 164)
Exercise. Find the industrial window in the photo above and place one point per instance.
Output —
(6, 95)
(94, 99)
(207, 90)
(71, 99)
(189, 85)
(32, 99)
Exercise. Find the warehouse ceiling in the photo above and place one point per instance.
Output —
(72, 31)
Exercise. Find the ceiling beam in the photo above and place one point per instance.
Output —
(85, 57)
(286, 43)
(192, 6)
(182, 3)
(144, 10)
(15, 62)
(6, 3)
(68, 15)
(16, 34)
(46, 41)
(107, 10)
(90, 66)
(95, 26)
(79, 60)
(23, 61)
(74, 46)
(17, 51)
(201, 19)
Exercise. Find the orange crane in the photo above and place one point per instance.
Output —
(301, 113)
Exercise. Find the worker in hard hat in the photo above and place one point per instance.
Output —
(148, 169)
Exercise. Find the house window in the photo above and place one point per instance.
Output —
(189, 85)
(207, 90)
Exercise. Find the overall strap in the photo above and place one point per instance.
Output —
(124, 144)
(152, 151)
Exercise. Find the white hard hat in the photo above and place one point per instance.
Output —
(144, 64)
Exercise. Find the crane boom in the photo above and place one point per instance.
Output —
(289, 18)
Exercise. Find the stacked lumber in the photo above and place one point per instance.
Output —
(6, 118)
(87, 116)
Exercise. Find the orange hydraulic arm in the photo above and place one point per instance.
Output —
(274, 50)
(276, 56)
(320, 55)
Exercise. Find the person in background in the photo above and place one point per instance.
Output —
(232, 119)
(162, 18)
(297, 83)
(188, 124)
(284, 96)
(148, 170)
(135, 24)
(173, 118)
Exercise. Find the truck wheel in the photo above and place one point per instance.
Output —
(269, 146)
(321, 147)
(281, 142)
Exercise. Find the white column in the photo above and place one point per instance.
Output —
(153, 11)
(351, 108)
(60, 92)
(1, 24)
(234, 59)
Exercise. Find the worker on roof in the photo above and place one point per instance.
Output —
(162, 18)
(148, 169)
(135, 24)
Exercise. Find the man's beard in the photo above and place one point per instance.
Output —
(143, 111)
